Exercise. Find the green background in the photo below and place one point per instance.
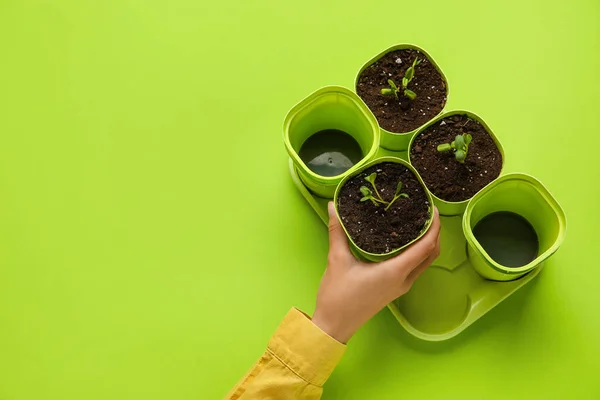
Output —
(151, 239)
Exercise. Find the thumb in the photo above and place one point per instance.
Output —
(337, 237)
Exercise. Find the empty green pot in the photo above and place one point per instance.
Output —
(450, 208)
(391, 140)
(523, 195)
(365, 255)
(331, 107)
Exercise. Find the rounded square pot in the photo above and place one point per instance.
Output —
(365, 255)
(523, 195)
(331, 107)
(451, 208)
(399, 141)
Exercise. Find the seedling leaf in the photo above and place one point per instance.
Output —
(398, 188)
(371, 178)
(468, 139)
(459, 142)
(444, 147)
(410, 94)
(404, 82)
(392, 90)
(410, 73)
(460, 156)
(365, 191)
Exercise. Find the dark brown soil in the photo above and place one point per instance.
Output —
(444, 176)
(371, 227)
(404, 115)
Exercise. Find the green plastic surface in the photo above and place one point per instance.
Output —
(331, 107)
(151, 239)
(451, 208)
(524, 195)
(365, 255)
(399, 141)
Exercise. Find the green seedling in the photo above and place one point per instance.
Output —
(397, 195)
(368, 195)
(371, 180)
(460, 146)
(393, 90)
(376, 198)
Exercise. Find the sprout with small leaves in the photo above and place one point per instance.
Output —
(371, 180)
(460, 146)
(393, 90)
(368, 195)
(397, 195)
(376, 198)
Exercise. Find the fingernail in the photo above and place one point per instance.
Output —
(331, 209)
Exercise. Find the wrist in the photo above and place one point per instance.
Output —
(334, 329)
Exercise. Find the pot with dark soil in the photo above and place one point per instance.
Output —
(405, 89)
(457, 155)
(383, 207)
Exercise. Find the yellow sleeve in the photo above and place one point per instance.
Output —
(298, 360)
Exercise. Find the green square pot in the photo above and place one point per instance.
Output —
(451, 208)
(523, 195)
(399, 141)
(331, 107)
(365, 255)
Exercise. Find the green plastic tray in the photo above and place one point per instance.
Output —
(449, 296)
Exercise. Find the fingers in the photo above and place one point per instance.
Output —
(338, 243)
(418, 252)
(415, 273)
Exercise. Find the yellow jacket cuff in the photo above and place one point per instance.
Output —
(305, 349)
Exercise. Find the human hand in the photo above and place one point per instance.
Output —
(352, 291)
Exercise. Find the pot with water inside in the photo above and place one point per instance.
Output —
(329, 134)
